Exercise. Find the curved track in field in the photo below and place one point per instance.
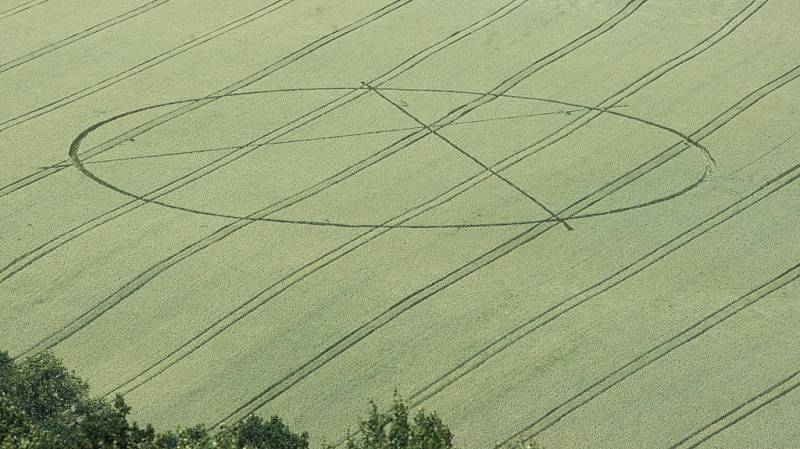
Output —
(75, 148)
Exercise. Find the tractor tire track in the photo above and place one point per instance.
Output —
(187, 348)
(740, 412)
(139, 68)
(405, 304)
(241, 84)
(137, 283)
(20, 8)
(94, 29)
(656, 353)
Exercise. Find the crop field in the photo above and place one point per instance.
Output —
(573, 222)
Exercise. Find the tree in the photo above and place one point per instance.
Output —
(46, 390)
(255, 433)
(394, 430)
(44, 406)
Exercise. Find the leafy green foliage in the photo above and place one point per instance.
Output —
(255, 433)
(394, 429)
(45, 406)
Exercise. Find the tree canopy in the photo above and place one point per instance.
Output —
(43, 405)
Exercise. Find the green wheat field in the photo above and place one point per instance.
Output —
(573, 222)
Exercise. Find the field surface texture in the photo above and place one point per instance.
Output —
(568, 221)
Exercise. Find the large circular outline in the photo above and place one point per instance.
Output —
(78, 163)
